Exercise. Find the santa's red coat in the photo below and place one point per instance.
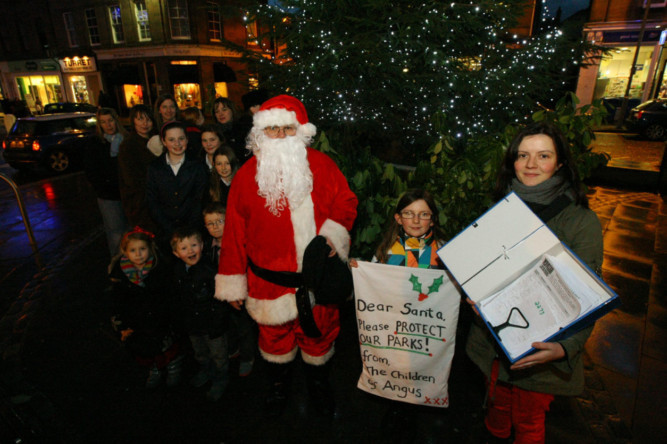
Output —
(277, 242)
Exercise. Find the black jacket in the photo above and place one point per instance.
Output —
(102, 169)
(148, 310)
(201, 313)
(176, 200)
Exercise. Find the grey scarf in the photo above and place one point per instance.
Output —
(543, 193)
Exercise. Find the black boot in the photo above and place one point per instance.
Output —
(280, 378)
(320, 396)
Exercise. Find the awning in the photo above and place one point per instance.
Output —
(223, 73)
(183, 74)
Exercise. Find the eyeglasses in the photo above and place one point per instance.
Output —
(215, 223)
(274, 131)
(425, 215)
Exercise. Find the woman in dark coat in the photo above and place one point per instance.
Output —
(101, 167)
(133, 160)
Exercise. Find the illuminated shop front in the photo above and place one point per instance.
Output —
(81, 78)
(37, 82)
(193, 74)
(610, 78)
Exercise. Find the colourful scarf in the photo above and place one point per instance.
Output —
(135, 275)
(414, 252)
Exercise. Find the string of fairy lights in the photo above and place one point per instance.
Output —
(388, 69)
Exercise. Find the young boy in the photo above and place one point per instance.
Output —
(242, 336)
(203, 318)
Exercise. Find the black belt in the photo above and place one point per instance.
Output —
(294, 280)
(282, 278)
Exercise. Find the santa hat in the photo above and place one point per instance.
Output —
(284, 110)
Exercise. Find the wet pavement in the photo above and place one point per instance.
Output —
(65, 378)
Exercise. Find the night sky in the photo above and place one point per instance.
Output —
(569, 7)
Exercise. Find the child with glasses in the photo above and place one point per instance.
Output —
(411, 240)
(413, 236)
(241, 335)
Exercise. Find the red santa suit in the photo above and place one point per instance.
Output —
(277, 242)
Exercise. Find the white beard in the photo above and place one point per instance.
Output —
(283, 173)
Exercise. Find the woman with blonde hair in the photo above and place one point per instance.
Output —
(101, 167)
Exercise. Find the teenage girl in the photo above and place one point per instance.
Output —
(175, 185)
(141, 300)
(211, 139)
(225, 166)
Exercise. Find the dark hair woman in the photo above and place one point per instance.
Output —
(538, 167)
(226, 117)
(133, 160)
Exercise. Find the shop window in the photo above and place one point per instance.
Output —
(134, 95)
(187, 94)
(116, 24)
(141, 14)
(252, 35)
(614, 72)
(79, 89)
(93, 28)
(214, 22)
(69, 29)
(37, 91)
(221, 89)
(178, 19)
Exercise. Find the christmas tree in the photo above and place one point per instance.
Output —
(382, 69)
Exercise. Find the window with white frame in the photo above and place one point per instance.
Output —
(93, 28)
(214, 22)
(178, 19)
(116, 24)
(143, 27)
(69, 29)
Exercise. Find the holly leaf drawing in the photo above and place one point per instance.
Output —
(435, 285)
(416, 285)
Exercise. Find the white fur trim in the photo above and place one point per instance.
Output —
(273, 311)
(231, 287)
(317, 360)
(303, 223)
(155, 146)
(308, 130)
(279, 359)
(274, 117)
(339, 237)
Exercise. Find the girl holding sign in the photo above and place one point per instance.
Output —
(411, 240)
(538, 167)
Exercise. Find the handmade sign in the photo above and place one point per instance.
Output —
(406, 318)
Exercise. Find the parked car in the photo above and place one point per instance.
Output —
(55, 141)
(613, 105)
(649, 119)
(68, 107)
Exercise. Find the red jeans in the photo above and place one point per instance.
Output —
(511, 406)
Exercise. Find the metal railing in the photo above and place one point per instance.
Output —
(24, 216)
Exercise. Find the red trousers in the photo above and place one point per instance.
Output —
(278, 342)
(510, 406)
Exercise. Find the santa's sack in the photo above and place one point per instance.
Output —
(329, 278)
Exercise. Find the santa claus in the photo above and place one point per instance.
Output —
(283, 197)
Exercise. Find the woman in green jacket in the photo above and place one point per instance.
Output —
(538, 167)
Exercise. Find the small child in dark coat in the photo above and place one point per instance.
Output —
(142, 307)
(242, 336)
(204, 318)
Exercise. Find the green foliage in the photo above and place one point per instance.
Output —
(461, 177)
